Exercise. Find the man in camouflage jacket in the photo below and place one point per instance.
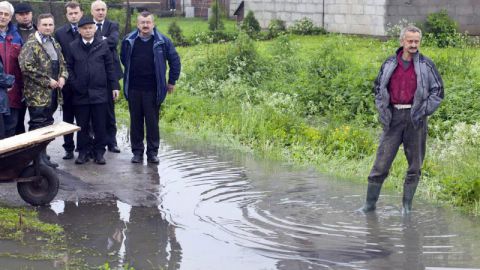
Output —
(44, 73)
(41, 84)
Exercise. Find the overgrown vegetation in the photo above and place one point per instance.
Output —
(442, 30)
(215, 22)
(305, 26)
(250, 25)
(309, 100)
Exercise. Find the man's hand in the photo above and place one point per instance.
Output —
(9, 89)
(170, 88)
(61, 82)
(116, 94)
(53, 84)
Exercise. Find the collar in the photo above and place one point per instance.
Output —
(85, 41)
(39, 37)
(26, 28)
(44, 39)
(74, 27)
(145, 38)
(4, 33)
(102, 22)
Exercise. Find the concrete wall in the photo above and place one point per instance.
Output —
(369, 17)
(465, 12)
(286, 10)
(355, 16)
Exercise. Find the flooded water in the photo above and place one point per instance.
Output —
(211, 208)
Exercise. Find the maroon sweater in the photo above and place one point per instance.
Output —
(403, 83)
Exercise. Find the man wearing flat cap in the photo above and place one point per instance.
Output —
(25, 27)
(24, 18)
(91, 68)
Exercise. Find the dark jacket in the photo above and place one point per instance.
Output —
(6, 81)
(163, 51)
(26, 32)
(90, 70)
(111, 33)
(428, 96)
(65, 35)
(10, 48)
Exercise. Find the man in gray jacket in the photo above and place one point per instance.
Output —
(408, 88)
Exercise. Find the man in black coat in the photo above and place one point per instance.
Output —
(25, 27)
(108, 31)
(65, 35)
(91, 68)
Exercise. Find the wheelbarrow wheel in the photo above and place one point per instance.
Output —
(39, 192)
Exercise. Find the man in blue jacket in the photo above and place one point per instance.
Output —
(408, 89)
(144, 54)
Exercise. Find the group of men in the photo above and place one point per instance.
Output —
(78, 67)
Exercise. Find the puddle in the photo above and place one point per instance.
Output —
(211, 208)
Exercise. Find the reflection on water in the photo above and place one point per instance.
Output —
(115, 232)
(215, 209)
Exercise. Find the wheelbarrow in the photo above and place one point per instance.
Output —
(37, 183)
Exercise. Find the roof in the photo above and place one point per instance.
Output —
(239, 8)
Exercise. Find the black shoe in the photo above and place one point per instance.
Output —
(114, 149)
(153, 159)
(100, 160)
(137, 159)
(68, 155)
(82, 158)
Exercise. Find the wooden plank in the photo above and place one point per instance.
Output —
(36, 136)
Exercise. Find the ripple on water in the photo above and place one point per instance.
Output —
(300, 218)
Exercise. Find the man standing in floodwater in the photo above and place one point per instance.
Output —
(145, 53)
(407, 89)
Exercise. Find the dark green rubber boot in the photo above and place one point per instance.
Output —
(373, 192)
(408, 193)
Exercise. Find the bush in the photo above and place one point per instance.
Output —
(305, 26)
(212, 37)
(442, 31)
(276, 28)
(250, 25)
(175, 33)
(215, 22)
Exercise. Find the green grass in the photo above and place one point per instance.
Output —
(340, 137)
(308, 100)
(191, 26)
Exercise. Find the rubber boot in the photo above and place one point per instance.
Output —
(373, 192)
(46, 161)
(408, 193)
